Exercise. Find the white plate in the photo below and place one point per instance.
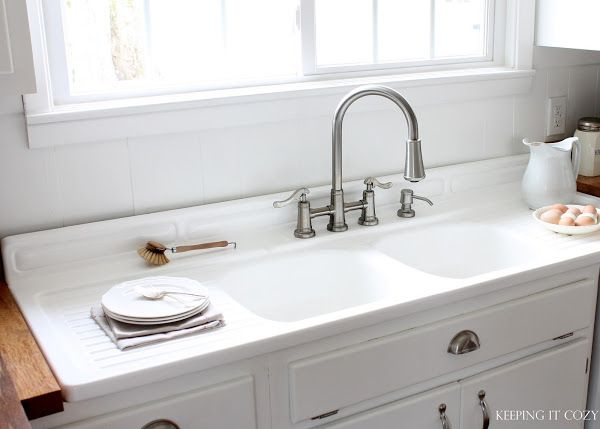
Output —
(157, 321)
(123, 301)
(564, 229)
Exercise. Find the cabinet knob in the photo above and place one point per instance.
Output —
(443, 418)
(463, 342)
(484, 409)
(161, 424)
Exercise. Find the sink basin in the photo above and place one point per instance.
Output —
(459, 250)
(295, 287)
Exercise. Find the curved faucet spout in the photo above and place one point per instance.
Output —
(413, 166)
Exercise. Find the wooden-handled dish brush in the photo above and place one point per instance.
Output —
(154, 253)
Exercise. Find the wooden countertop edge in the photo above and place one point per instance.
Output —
(35, 385)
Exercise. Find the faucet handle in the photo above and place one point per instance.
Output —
(297, 195)
(373, 181)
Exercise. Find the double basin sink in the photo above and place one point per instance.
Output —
(305, 284)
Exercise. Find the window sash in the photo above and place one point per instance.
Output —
(494, 48)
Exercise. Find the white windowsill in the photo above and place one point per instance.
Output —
(101, 121)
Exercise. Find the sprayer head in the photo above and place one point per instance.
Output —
(414, 171)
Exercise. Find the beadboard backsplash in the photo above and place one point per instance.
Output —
(72, 184)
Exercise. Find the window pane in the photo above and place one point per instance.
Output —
(459, 28)
(114, 44)
(344, 32)
(404, 30)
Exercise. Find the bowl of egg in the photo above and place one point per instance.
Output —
(569, 219)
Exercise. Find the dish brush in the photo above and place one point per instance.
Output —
(154, 253)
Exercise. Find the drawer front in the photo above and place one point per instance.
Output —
(344, 377)
(417, 412)
(222, 406)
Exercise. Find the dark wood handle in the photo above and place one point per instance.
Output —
(201, 246)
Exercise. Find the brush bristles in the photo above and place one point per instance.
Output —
(153, 256)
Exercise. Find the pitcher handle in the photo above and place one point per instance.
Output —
(576, 157)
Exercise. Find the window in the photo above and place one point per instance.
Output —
(106, 49)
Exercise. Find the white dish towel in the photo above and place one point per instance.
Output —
(127, 336)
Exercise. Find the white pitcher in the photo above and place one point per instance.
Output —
(551, 174)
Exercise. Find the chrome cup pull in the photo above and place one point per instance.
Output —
(443, 418)
(464, 342)
(161, 424)
(484, 409)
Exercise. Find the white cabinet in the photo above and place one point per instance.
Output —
(17, 75)
(531, 393)
(568, 24)
(417, 412)
(552, 380)
(226, 405)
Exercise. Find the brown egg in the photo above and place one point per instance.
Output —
(583, 220)
(560, 207)
(551, 216)
(589, 209)
(574, 210)
(566, 221)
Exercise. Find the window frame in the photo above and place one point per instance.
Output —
(61, 79)
(50, 124)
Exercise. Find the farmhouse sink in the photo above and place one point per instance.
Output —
(303, 285)
(459, 250)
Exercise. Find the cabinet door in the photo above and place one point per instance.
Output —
(524, 393)
(16, 63)
(568, 24)
(416, 412)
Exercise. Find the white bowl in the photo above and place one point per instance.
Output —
(564, 229)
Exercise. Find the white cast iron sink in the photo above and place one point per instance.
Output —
(459, 250)
(307, 284)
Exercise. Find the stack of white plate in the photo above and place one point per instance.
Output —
(125, 303)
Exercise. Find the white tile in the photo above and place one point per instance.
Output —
(558, 82)
(221, 176)
(28, 184)
(95, 181)
(166, 172)
(499, 138)
(11, 104)
(374, 143)
(530, 111)
(452, 133)
(582, 95)
(273, 157)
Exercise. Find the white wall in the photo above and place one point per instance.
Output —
(47, 188)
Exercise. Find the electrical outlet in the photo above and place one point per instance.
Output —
(556, 116)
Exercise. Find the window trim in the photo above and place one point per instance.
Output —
(50, 125)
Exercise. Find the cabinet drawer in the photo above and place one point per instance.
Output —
(344, 377)
(416, 412)
(222, 406)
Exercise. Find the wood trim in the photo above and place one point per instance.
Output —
(589, 185)
(35, 385)
(11, 412)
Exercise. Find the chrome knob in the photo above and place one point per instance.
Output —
(297, 195)
(484, 409)
(464, 342)
(443, 418)
(161, 424)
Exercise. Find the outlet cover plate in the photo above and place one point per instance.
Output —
(556, 116)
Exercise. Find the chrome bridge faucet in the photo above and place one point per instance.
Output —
(336, 210)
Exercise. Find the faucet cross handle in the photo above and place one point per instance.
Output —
(297, 195)
(373, 181)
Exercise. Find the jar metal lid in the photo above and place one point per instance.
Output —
(589, 124)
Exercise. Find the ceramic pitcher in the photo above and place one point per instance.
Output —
(551, 174)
